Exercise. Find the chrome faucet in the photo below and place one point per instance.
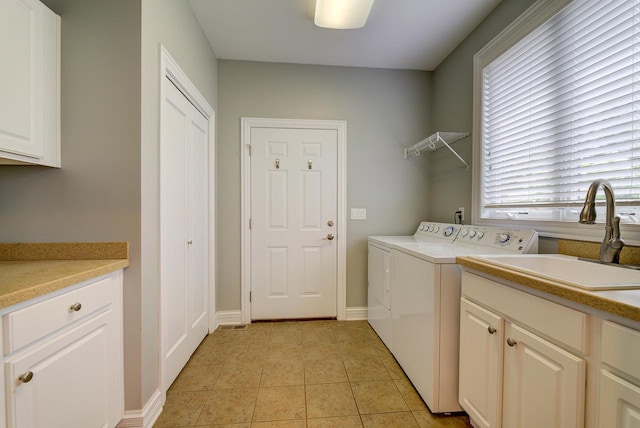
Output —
(612, 243)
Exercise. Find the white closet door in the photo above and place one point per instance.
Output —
(183, 242)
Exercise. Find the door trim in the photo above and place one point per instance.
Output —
(170, 69)
(340, 126)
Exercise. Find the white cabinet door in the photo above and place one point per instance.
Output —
(68, 381)
(619, 405)
(481, 338)
(619, 402)
(544, 386)
(29, 82)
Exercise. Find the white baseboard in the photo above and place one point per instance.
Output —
(357, 313)
(146, 417)
(228, 318)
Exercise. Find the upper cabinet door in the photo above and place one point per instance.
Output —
(29, 83)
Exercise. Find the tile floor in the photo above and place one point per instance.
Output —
(308, 374)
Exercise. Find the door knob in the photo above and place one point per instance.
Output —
(330, 237)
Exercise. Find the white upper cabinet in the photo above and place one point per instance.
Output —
(29, 83)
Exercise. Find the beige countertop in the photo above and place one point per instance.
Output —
(31, 270)
(625, 303)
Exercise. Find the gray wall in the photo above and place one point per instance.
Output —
(108, 180)
(96, 194)
(452, 107)
(173, 24)
(384, 109)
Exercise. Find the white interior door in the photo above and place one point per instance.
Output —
(184, 239)
(293, 223)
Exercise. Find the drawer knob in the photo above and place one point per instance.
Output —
(26, 377)
(491, 330)
(75, 307)
(511, 342)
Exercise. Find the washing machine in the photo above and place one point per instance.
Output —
(380, 260)
(425, 320)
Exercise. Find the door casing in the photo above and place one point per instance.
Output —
(340, 126)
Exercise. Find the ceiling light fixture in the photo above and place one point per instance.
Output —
(342, 14)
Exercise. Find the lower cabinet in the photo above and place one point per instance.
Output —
(71, 374)
(481, 338)
(619, 395)
(544, 385)
(619, 402)
(510, 376)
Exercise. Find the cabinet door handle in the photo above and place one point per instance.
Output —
(26, 377)
(511, 342)
(75, 307)
(491, 330)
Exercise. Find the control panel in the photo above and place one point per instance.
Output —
(442, 231)
(511, 239)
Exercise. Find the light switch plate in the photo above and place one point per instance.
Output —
(358, 213)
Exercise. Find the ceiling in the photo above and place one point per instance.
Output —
(401, 34)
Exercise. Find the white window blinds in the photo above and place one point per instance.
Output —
(560, 109)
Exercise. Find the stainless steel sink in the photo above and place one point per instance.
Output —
(569, 270)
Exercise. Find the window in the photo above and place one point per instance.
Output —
(557, 109)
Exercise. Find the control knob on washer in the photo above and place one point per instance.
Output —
(504, 238)
(448, 231)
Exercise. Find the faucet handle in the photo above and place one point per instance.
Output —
(615, 233)
(614, 246)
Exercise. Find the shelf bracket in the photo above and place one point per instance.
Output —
(438, 139)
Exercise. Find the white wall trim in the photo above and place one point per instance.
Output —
(340, 126)
(170, 69)
(146, 417)
(357, 313)
(229, 318)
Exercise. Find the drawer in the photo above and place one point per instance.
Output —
(31, 323)
(616, 338)
(566, 325)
